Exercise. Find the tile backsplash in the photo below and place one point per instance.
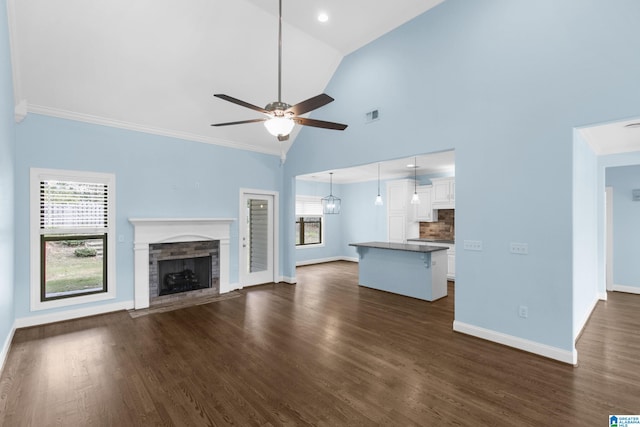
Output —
(443, 229)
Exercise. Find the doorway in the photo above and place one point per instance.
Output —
(258, 242)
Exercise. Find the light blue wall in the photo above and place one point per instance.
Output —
(155, 177)
(626, 225)
(486, 79)
(585, 233)
(7, 148)
(332, 224)
(359, 221)
(362, 220)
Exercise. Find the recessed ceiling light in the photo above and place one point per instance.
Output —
(323, 17)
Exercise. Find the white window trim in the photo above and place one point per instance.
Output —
(36, 175)
(321, 214)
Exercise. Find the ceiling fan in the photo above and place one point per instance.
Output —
(280, 116)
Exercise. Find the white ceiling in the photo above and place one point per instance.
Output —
(613, 138)
(154, 66)
(428, 164)
(352, 23)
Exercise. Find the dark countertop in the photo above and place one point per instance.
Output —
(399, 246)
(448, 242)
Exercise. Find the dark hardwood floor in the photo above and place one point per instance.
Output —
(323, 352)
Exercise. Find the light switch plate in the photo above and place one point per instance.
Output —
(519, 248)
(472, 245)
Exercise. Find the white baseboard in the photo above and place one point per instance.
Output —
(4, 352)
(627, 289)
(43, 319)
(555, 353)
(588, 314)
(323, 260)
(289, 280)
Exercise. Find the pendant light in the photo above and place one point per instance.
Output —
(330, 204)
(415, 200)
(378, 201)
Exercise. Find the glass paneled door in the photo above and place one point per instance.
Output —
(257, 248)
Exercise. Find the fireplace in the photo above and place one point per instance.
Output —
(195, 238)
(183, 267)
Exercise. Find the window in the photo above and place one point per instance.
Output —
(308, 221)
(72, 221)
(308, 230)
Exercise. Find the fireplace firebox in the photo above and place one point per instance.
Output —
(183, 275)
(182, 267)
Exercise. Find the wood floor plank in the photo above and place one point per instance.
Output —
(322, 352)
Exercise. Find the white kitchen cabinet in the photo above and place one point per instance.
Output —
(401, 214)
(424, 211)
(451, 263)
(396, 225)
(444, 193)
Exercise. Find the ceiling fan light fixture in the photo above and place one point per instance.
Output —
(279, 126)
(282, 115)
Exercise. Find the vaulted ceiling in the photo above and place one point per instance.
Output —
(154, 65)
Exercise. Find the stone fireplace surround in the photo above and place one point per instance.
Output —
(169, 230)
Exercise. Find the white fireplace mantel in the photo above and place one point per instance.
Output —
(170, 230)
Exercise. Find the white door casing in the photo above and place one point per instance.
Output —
(258, 237)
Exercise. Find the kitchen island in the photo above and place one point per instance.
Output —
(414, 270)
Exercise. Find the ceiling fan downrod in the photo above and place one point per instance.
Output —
(280, 52)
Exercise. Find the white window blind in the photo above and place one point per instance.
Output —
(308, 206)
(70, 205)
(258, 235)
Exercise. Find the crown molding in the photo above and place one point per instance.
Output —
(103, 121)
(20, 111)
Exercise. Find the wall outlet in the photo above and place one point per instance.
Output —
(472, 245)
(523, 311)
(519, 248)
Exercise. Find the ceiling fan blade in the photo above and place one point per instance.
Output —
(319, 123)
(242, 103)
(240, 122)
(310, 104)
(282, 138)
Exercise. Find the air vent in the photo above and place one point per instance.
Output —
(372, 116)
(632, 125)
